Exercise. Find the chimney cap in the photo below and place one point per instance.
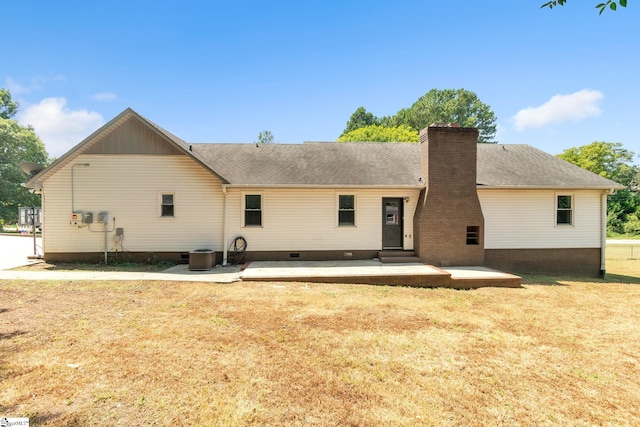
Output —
(445, 125)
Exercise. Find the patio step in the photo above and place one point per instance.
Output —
(400, 260)
(397, 257)
(478, 277)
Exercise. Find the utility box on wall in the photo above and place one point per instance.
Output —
(77, 219)
(103, 218)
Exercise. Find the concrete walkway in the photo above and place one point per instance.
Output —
(178, 273)
(632, 242)
(14, 251)
(327, 271)
(355, 272)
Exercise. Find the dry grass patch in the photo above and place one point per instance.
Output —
(80, 266)
(140, 353)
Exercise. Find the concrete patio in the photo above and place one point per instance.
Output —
(374, 272)
(357, 272)
(15, 249)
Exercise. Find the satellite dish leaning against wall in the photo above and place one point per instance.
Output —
(31, 168)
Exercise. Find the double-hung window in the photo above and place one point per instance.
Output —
(252, 210)
(564, 209)
(167, 205)
(346, 209)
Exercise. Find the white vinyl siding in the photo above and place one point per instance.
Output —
(526, 219)
(306, 219)
(129, 188)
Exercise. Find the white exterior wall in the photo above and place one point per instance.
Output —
(128, 187)
(526, 219)
(307, 219)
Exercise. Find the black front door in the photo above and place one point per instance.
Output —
(392, 223)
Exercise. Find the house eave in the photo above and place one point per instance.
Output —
(326, 186)
(547, 187)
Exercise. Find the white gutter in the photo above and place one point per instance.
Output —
(609, 190)
(225, 227)
(329, 186)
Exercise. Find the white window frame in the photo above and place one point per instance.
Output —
(161, 195)
(355, 209)
(571, 210)
(244, 209)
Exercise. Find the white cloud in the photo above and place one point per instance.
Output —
(36, 83)
(59, 127)
(105, 96)
(560, 108)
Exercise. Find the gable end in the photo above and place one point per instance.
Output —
(127, 133)
(133, 137)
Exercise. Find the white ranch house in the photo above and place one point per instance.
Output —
(133, 189)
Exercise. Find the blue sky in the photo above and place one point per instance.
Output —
(213, 71)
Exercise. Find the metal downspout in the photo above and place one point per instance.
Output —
(105, 242)
(225, 227)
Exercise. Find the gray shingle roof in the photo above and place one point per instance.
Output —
(315, 164)
(372, 164)
(385, 164)
(522, 166)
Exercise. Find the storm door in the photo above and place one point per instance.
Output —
(392, 223)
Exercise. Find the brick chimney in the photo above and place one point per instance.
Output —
(449, 225)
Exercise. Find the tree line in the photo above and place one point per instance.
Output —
(609, 159)
(459, 106)
(17, 144)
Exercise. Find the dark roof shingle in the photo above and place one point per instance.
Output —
(522, 166)
(315, 164)
(385, 165)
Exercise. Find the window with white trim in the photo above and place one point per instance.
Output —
(346, 209)
(252, 210)
(564, 209)
(167, 205)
